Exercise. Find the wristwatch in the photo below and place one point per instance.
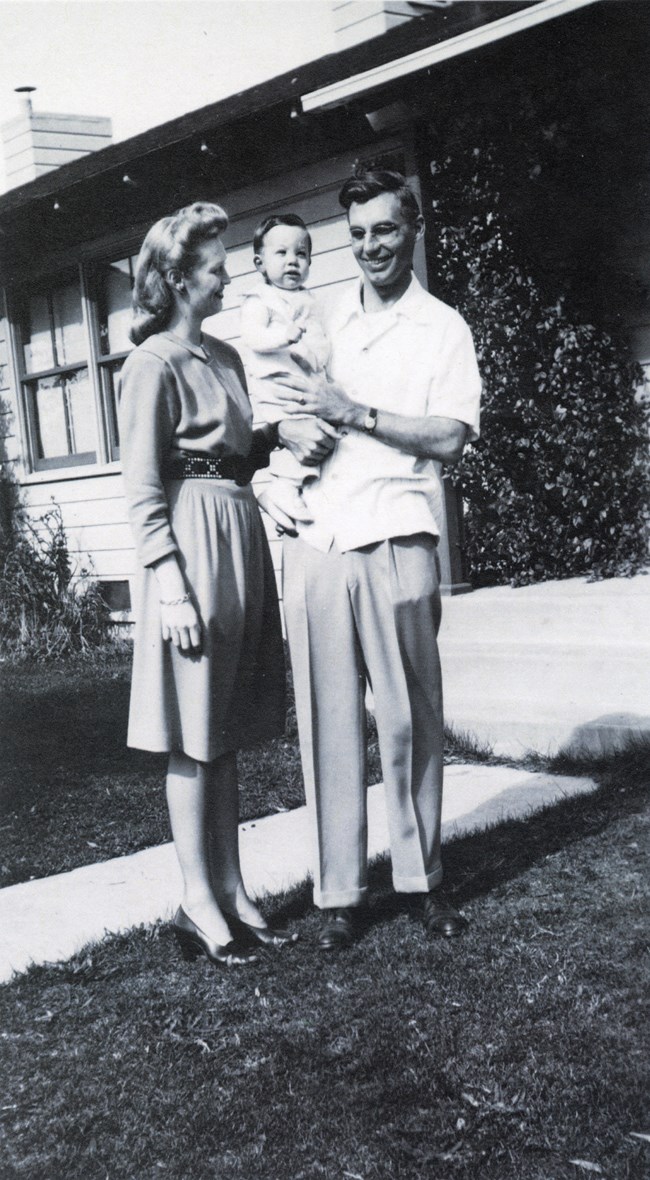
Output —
(370, 420)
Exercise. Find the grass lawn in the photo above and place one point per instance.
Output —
(71, 793)
(514, 1053)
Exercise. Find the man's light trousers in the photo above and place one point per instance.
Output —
(373, 615)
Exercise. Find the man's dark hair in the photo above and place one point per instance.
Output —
(270, 223)
(371, 182)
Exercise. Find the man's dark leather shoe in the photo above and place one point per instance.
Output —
(339, 929)
(440, 917)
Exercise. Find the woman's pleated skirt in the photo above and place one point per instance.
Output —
(232, 694)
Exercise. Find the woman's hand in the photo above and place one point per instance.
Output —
(181, 626)
(178, 616)
(308, 439)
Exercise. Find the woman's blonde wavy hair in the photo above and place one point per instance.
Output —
(172, 243)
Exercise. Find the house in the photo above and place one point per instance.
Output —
(69, 238)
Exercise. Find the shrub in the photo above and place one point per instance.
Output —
(557, 485)
(45, 612)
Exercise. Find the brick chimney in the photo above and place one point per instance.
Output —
(36, 141)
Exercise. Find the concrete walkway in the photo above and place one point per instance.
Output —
(51, 919)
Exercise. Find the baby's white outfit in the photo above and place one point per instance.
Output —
(266, 353)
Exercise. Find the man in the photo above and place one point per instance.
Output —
(361, 579)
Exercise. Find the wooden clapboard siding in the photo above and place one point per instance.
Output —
(73, 490)
(82, 514)
(113, 565)
(93, 512)
(319, 181)
(92, 539)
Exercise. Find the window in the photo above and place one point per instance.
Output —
(114, 284)
(73, 341)
(58, 394)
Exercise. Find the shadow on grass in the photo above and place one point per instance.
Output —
(72, 793)
(65, 715)
(484, 861)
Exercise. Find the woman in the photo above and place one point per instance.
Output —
(208, 670)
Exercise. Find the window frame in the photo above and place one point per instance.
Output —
(87, 273)
(105, 361)
(28, 381)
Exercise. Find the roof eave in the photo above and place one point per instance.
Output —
(430, 29)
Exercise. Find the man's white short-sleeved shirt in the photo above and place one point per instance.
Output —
(417, 359)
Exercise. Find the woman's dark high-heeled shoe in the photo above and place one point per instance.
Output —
(263, 935)
(193, 942)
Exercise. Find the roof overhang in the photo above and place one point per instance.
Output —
(346, 89)
(438, 27)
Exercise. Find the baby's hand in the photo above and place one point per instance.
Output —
(305, 361)
(294, 333)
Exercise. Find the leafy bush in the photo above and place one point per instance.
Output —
(43, 613)
(557, 485)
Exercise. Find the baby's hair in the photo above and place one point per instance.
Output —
(270, 223)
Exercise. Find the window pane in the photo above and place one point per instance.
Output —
(115, 301)
(51, 417)
(81, 413)
(69, 332)
(65, 418)
(37, 335)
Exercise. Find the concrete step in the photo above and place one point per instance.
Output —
(547, 667)
(513, 733)
(566, 621)
(573, 612)
(555, 672)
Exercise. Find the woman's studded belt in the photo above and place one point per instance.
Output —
(190, 465)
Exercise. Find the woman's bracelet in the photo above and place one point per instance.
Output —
(174, 601)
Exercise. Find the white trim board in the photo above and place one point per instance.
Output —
(349, 88)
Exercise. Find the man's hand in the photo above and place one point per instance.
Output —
(308, 439)
(323, 398)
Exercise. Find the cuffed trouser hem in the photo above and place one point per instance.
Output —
(417, 884)
(342, 897)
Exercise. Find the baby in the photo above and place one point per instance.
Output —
(279, 324)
